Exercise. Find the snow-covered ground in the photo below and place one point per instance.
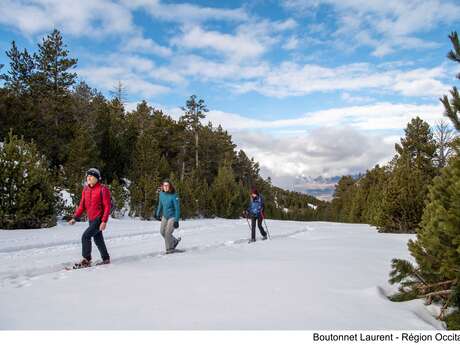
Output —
(310, 275)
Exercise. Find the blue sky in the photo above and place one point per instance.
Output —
(308, 88)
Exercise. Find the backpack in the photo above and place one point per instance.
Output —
(112, 201)
(256, 206)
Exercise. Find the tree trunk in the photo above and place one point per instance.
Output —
(182, 174)
(196, 150)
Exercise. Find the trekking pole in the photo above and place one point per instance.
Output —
(247, 220)
(268, 232)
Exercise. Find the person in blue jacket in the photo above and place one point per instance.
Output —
(168, 212)
(256, 212)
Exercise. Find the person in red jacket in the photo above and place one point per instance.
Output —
(95, 200)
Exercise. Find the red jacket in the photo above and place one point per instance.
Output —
(92, 203)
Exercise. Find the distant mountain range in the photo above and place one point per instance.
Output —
(319, 187)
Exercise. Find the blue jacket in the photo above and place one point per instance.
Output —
(168, 206)
(256, 206)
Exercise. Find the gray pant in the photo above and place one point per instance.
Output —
(166, 230)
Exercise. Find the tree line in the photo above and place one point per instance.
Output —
(392, 196)
(53, 127)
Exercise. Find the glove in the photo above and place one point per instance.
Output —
(176, 225)
(158, 218)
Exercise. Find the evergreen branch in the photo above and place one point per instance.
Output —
(430, 295)
(454, 54)
(447, 282)
(450, 111)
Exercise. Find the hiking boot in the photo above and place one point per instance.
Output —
(82, 264)
(103, 262)
(177, 242)
(264, 238)
(251, 240)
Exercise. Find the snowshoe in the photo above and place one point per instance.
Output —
(103, 262)
(177, 242)
(172, 251)
(82, 264)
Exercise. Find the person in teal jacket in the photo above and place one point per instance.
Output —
(168, 212)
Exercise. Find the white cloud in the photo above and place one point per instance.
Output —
(349, 98)
(292, 43)
(93, 18)
(332, 142)
(186, 13)
(135, 73)
(384, 25)
(217, 72)
(287, 24)
(292, 79)
(144, 45)
(287, 79)
(248, 41)
(325, 151)
(378, 116)
(237, 46)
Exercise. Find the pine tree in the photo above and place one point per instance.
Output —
(438, 239)
(120, 197)
(215, 146)
(407, 188)
(226, 193)
(82, 155)
(82, 104)
(376, 179)
(188, 199)
(111, 135)
(144, 176)
(342, 202)
(246, 170)
(436, 249)
(205, 205)
(358, 200)
(403, 199)
(28, 198)
(53, 77)
(17, 104)
(52, 101)
(194, 112)
(21, 73)
(452, 105)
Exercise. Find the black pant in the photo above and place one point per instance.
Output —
(93, 231)
(259, 224)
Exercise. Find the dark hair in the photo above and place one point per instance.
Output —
(172, 190)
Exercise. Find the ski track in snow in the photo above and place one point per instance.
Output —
(24, 278)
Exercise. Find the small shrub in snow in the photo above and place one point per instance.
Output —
(28, 198)
(120, 196)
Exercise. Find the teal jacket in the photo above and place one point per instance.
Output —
(168, 206)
